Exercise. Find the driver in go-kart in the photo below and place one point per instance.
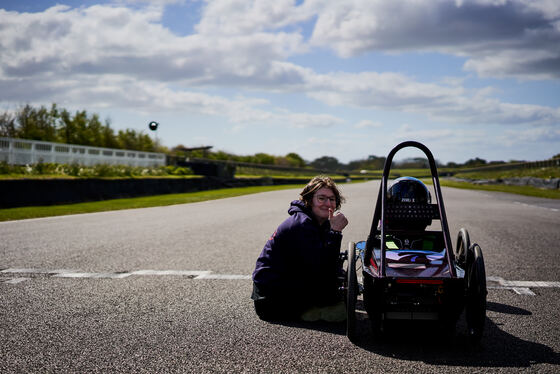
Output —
(409, 190)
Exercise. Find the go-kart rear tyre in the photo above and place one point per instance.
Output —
(461, 249)
(351, 293)
(476, 294)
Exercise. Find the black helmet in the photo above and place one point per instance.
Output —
(408, 190)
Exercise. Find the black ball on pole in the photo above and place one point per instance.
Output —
(153, 125)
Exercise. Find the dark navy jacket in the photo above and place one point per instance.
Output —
(301, 259)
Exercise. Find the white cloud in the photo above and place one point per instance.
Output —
(317, 147)
(119, 40)
(452, 103)
(542, 134)
(367, 124)
(377, 90)
(153, 2)
(242, 17)
(106, 56)
(499, 38)
(407, 131)
(304, 120)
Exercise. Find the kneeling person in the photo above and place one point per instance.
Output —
(296, 273)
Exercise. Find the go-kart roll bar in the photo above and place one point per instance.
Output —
(379, 213)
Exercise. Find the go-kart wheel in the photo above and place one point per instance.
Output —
(372, 295)
(461, 249)
(351, 293)
(476, 293)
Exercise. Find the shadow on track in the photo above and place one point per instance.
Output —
(337, 328)
(507, 309)
(420, 342)
(497, 348)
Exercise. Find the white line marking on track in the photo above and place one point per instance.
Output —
(223, 276)
(16, 280)
(529, 284)
(519, 287)
(36, 271)
(536, 206)
(193, 274)
(25, 271)
(523, 291)
(92, 275)
(517, 290)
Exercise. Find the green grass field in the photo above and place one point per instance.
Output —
(546, 173)
(520, 190)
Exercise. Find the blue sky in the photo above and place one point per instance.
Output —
(348, 79)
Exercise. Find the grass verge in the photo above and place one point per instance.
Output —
(545, 173)
(520, 190)
(133, 203)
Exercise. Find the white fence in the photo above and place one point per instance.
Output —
(22, 151)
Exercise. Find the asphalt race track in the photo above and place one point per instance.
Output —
(167, 290)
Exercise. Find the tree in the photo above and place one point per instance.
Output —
(94, 131)
(474, 162)
(60, 126)
(221, 155)
(145, 143)
(295, 160)
(37, 124)
(263, 158)
(326, 163)
(67, 130)
(412, 163)
(130, 139)
(371, 163)
(108, 138)
(80, 124)
(7, 125)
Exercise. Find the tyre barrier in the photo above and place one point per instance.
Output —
(37, 192)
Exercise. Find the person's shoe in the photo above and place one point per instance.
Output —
(312, 314)
(334, 313)
(331, 313)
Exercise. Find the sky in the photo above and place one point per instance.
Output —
(346, 79)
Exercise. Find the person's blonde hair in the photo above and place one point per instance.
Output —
(316, 184)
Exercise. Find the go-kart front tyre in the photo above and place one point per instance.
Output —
(351, 293)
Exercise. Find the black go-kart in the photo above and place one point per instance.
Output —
(402, 283)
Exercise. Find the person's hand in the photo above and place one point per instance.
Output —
(338, 221)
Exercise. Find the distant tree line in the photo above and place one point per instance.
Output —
(289, 160)
(59, 125)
